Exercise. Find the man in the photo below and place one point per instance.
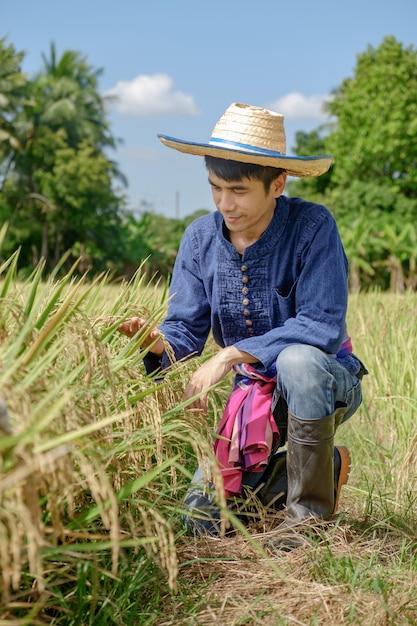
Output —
(267, 274)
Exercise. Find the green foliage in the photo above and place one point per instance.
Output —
(376, 111)
(12, 97)
(68, 98)
(58, 189)
(60, 193)
(155, 238)
(380, 239)
(372, 187)
(311, 144)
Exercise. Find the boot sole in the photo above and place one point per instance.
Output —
(345, 465)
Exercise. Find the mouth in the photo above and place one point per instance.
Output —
(231, 219)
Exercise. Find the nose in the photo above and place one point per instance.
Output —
(226, 201)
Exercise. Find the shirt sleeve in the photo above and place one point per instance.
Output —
(187, 324)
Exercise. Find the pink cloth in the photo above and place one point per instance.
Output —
(247, 432)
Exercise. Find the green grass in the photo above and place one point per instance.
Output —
(93, 475)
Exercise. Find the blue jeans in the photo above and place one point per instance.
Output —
(313, 385)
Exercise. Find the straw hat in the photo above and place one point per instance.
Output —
(250, 134)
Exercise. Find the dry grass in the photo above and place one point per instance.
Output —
(347, 577)
(95, 443)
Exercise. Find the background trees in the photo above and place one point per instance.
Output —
(12, 94)
(60, 191)
(376, 112)
(372, 187)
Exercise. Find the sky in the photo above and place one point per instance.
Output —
(176, 65)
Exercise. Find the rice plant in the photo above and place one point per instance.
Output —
(93, 452)
(95, 457)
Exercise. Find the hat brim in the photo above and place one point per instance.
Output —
(301, 166)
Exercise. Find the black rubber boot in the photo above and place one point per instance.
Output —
(316, 472)
(310, 467)
(272, 487)
(201, 513)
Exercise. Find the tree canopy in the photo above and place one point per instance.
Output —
(375, 136)
(372, 186)
(57, 182)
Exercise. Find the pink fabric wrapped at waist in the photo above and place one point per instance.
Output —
(247, 432)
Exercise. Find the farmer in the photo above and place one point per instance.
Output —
(267, 274)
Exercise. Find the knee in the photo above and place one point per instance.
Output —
(296, 358)
(299, 364)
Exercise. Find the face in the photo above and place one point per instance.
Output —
(246, 207)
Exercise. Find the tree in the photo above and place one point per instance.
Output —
(310, 144)
(13, 91)
(372, 187)
(375, 139)
(60, 180)
(68, 97)
(83, 211)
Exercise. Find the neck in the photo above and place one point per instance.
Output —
(241, 241)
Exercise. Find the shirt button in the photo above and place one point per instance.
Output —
(246, 313)
(245, 279)
(244, 268)
(248, 323)
(245, 302)
(245, 290)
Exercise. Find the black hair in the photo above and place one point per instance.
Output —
(236, 170)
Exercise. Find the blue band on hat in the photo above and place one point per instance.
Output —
(224, 143)
(224, 146)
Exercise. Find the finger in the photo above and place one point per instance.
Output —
(132, 326)
(128, 327)
(199, 403)
(123, 328)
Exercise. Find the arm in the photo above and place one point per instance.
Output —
(188, 320)
(212, 371)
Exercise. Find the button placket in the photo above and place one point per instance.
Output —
(246, 301)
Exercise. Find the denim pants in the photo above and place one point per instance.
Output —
(313, 385)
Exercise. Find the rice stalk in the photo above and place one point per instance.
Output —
(90, 435)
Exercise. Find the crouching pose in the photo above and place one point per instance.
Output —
(267, 274)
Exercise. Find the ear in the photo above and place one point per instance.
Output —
(278, 185)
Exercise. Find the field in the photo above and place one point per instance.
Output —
(99, 457)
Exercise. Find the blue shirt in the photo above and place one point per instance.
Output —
(289, 287)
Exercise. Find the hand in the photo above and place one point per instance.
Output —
(211, 372)
(132, 326)
(208, 374)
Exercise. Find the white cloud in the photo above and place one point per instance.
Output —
(296, 106)
(151, 95)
